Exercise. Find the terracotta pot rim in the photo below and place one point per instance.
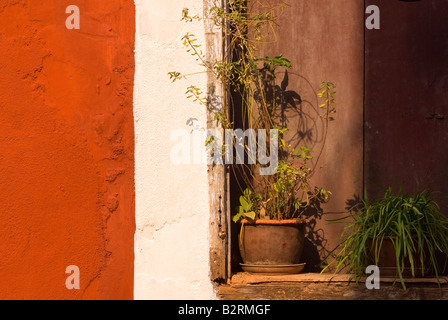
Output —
(274, 222)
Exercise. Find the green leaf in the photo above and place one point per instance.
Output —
(237, 217)
(245, 204)
(251, 215)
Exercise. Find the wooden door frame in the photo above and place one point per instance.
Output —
(218, 174)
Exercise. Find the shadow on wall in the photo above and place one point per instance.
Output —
(305, 127)
(300, 116)
(315, 243)
(316, 252)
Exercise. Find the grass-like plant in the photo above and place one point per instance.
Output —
(413, 223)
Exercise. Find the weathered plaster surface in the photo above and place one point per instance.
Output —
(172, 201)
(66, 149)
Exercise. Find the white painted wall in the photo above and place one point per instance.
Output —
(172, 201)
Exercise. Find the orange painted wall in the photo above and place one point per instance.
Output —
(66, 149)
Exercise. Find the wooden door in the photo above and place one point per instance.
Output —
(406, 98)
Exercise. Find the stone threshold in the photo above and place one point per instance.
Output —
(315, 286)
(245, 278)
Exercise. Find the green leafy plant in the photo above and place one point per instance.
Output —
(239, 70)
(248, 201)
(414, 224)
(285, 195)
(242, 73)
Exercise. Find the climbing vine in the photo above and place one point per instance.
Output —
(251, 78)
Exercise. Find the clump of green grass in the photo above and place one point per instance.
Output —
(414, 224)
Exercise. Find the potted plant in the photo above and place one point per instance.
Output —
(272, 211)
(249, 85)
(404, 235)
(272, 226)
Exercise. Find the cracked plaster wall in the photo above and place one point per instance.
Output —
(172, 201)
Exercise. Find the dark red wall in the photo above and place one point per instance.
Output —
(406, 98)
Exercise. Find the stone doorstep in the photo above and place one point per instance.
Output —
(245, 278)
(315, 286)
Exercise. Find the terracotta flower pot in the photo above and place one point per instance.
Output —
(271, 242)
(388, 265)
